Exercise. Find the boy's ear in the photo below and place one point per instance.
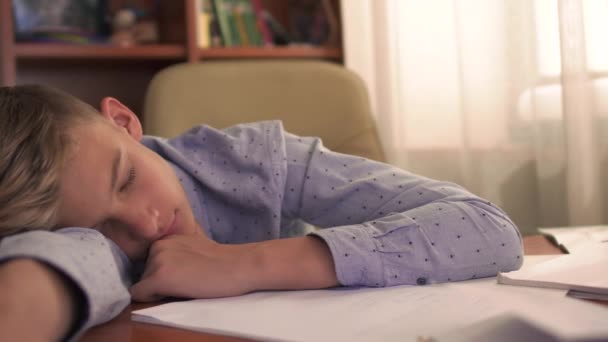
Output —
(121, 116)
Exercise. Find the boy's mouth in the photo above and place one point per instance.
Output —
(172, 227)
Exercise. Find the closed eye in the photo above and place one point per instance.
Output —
(129, 181)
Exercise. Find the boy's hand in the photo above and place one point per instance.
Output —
(193, 266)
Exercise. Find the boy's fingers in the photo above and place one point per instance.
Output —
(144, 291)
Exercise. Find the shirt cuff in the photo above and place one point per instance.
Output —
(356, 257)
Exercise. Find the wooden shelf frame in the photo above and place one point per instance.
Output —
(271, 52)
(99, 51)
(165, 52)
(8, 63)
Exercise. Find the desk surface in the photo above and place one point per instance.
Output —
(123, 329)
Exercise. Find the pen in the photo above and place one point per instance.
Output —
(425, 339)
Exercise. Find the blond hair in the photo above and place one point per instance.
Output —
(34, 122)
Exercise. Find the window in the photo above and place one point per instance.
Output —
(595, 19)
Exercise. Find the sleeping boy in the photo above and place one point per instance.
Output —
(84, 197)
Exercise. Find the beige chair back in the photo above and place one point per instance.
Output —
(312, 98)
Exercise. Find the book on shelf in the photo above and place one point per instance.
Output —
(203, 23)
(230, 6)
(239, 20)
(249, 21)
(207, 30)
(214, 27)
(261, 26)
(222, 9)
(233, 23)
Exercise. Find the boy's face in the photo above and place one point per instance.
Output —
(113, 183)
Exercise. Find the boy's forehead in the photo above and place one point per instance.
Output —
(82, 197)
(84, 136)
(86, 175)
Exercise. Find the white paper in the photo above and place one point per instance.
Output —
(585, 270)
(500, 328)
(575, 239)
(400, 313)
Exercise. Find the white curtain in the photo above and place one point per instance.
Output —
(508, 98)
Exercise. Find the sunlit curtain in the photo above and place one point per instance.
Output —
(508, 98)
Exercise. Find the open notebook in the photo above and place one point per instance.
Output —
(402, 313)
(574, 239)
(585, 271)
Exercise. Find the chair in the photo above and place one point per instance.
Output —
(312, 98)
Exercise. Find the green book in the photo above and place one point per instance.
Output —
(230, 7)
(223, 8)
(253, 33)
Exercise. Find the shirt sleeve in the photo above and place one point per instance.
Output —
(385, 226)
(94, 264)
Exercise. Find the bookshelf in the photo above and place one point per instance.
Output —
(92, 71)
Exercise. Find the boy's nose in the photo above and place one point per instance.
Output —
(144, 222)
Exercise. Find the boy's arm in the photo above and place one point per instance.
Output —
(35, 295)
(95, 271)
(385, 226)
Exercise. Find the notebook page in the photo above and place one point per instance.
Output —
(389, 314)
(575, 239)
(585, 270)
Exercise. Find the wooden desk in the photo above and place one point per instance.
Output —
(123, 329)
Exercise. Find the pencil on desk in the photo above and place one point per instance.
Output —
(425, 339)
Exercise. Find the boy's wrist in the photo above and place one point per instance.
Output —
(290, 264)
